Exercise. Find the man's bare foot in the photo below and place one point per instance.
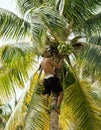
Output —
(57, 110)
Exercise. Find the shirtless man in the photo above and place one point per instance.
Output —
(51, 82)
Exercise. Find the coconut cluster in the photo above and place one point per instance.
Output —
(65, 49)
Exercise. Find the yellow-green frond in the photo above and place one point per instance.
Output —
(37, 114)
(6, 86)
(17, 65)
(17, 116)
(83, 106)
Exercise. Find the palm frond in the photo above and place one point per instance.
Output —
(26, 5)
(84, 108)
(93, 24)
(37, 117)
(79, 10)
(34, 81)
(18, 56)
(54, 22)
(68, 78)
(17, 65)
(89, 60)
(60, 4)
(6, 87)
(38, 30)
(66, 118)
(56, 4)
(17, 116)
(13, 27)
(94, 40)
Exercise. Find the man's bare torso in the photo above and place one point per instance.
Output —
(48, 66)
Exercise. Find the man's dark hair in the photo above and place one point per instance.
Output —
(52, 49)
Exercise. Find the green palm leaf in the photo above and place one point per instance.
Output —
(66, 118)
(17, 66)
(84, 108)
(38, 30)
(37, 117)
(89, 60)
(17, 116)
(46, 23)
(54, 22)
(81, 13)
(93, 24)
(26, 5)
(18, 61)
(95, 40)
(6, 87)
(13, 27)
(79, 10)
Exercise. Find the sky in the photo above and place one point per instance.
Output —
(9, 5)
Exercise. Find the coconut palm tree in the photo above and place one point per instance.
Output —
(63, 24)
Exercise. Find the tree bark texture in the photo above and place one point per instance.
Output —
(54, 117)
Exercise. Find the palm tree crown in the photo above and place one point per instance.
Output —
(72, 27)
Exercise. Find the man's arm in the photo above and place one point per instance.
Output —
(57, 65)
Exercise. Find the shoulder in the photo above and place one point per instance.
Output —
(45, 60)
(51, 60)
(48, 59)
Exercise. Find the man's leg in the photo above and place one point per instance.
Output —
(60, 98)
(59, 101)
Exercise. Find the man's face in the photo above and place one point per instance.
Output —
(48, 55)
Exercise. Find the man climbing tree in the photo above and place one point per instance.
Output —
(51, 81)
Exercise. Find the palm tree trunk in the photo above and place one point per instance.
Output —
(54, 118)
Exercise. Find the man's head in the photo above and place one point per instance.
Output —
(46, 54)
(50, 51)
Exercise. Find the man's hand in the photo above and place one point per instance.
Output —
(60, 56)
